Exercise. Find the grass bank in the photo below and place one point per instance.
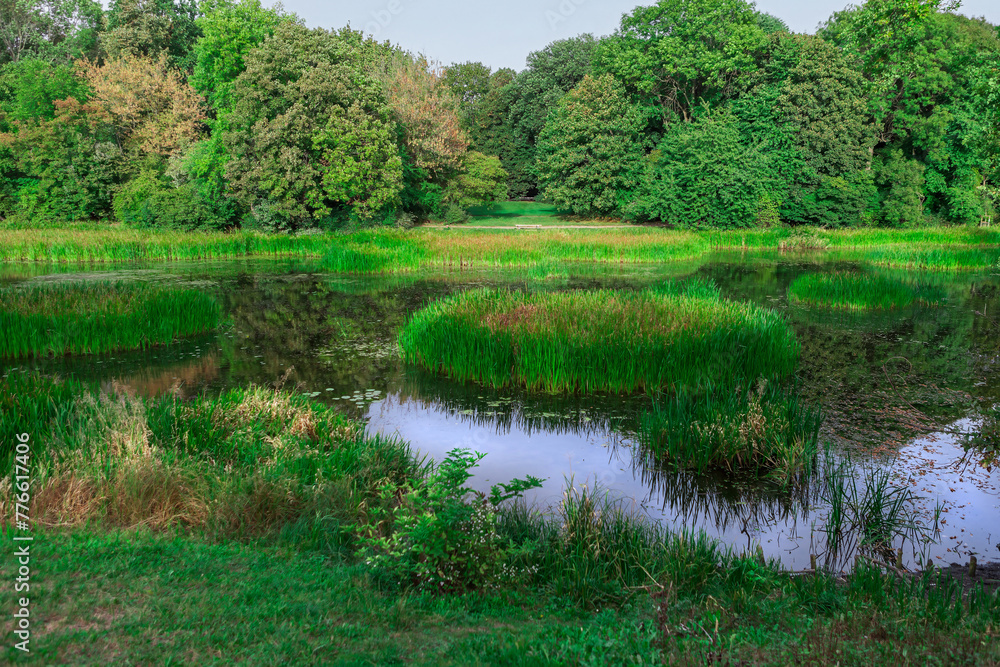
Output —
(366, 251)
(249, 463)
(239, 529)
(389, 250)
(813, 238)
(603, 340)
(90, 318)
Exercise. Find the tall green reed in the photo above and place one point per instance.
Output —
(762, 430)
(598, 340)
(855, 291)
(90, 318)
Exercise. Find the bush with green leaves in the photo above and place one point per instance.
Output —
(455, 215)
(148, 201)
(439, 534)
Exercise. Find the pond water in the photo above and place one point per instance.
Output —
(895, 387)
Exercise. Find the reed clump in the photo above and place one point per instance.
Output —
(940, 258)
(763, 429)
(851, 290)
(91, 318)
(698, 288)
(249, 463)
(602, 340)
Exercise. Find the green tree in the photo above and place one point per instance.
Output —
(589, 148)
(678, 54)
(70, 164)
(469, 82)
(508, 119)
(229, 31)
(702, 174)
(818, 103)
(33, 85)
(482, 180)
(927, 100)
(152, 28)
(52, 30)
(311, 133)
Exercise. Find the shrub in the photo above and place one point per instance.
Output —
(434, 536)
(148, 201)
(456, 215)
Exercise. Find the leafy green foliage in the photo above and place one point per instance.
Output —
(481, 181)
(439, 534)
(469, 82)
(589, 148)
(33, 86)
(678, 54)
(56, 31)
(229, 31)
(153, 28)
(149, 201)
(507, 119)
(696, 177)
(71, 164)
(310, 133)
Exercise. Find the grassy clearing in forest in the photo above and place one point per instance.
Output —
(763, 429)
(513, 213)
(603, 340)
(90, 318)
(854, 291)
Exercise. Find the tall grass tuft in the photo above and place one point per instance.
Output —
(940, 258)
(250, 463)
(596, 549)
(90, 318)
(870, 515)
(598, 340)
(763, 429)
(854, 291)
(696, 288)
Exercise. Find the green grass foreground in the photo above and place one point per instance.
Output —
(91, 318)
(602, 340)
(853, 291)
(225, 530)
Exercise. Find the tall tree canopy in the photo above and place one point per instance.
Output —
(311, 133)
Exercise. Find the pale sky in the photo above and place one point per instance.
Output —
(502, 33)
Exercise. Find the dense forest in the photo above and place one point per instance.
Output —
(694, 113)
